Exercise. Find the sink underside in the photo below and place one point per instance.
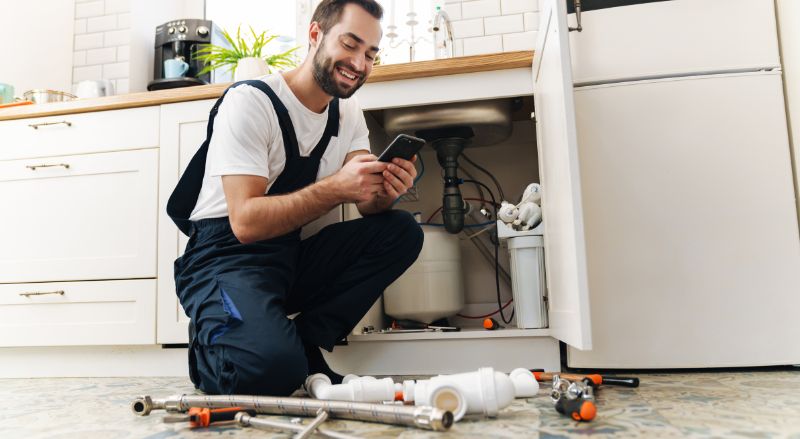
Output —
(490, 121)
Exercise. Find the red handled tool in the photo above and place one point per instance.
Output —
(577, 409)
(203, 417)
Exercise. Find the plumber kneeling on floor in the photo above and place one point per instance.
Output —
(282, 151)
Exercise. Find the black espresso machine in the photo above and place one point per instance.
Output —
(180, 39)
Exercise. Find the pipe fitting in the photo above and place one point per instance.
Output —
(525, 384)
(358, 389)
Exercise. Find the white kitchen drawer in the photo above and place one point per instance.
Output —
(674, 38)
(100, 131)
(95, 219)
(78, 313)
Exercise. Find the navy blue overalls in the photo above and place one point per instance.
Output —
(238, 295)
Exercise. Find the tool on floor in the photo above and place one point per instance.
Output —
(491, 324)
(596, 379)
(203, 417)
(424, 417)
(575, 400)
(246, 420)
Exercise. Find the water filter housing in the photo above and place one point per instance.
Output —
(526, 249)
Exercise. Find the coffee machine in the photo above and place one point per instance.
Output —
(180, 39)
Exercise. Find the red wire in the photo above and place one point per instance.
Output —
(487, 315)
(440, 207)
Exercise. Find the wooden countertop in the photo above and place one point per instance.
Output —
(392, 72)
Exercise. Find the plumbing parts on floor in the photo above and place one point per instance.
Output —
(485, 391)
(574, 399)
(428, 418)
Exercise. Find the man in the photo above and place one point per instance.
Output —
(296, 138)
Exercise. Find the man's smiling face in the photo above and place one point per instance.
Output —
(343, 60)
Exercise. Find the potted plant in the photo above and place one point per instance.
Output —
(246, 61)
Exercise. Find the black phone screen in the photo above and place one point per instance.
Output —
(403, 146)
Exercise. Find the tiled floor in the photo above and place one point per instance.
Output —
(741, 404)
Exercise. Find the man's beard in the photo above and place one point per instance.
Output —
(324, 73)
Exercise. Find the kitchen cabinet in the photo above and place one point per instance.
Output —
(673, 38)
(183, 130)
(693, 249)
(78, 261)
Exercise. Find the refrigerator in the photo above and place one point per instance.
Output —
(688, 201)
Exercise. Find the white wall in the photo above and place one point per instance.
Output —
(37, 46)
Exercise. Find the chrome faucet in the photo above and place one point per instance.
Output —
(441, 18)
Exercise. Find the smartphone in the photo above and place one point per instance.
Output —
(403, 146)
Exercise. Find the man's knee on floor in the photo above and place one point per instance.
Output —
(275, 368)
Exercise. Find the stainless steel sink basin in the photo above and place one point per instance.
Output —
(490, 120)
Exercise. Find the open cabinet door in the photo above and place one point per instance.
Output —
(564, 243)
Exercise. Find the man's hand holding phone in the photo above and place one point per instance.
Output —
(399, 177)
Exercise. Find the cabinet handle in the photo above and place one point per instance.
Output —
(578, 16)
(42, 124)
(33, 167)
(42, 293)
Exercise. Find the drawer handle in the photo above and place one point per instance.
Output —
(578, 16)
(33, 167)
(42, 124)
(42, 293)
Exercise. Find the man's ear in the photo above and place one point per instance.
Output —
(314, 34)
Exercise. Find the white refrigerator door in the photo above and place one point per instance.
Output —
(692, 234)
(565, 250)
(674, 38)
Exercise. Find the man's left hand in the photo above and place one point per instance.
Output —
(399, 177)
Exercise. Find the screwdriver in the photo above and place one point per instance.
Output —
(577, 409)
(595, 379)
(203, 417)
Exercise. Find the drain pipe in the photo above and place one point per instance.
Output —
(353, 388)
(525, 384)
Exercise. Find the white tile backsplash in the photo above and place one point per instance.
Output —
(101, 56)
(468, 28)
(487, 26)
(503, 24)
(531, 21)
(483, 45)
(101, 24)
(88, 41)
(519, 41)
(480, 8)
(80, 26)
(90, 9)
(518, 6)
(102, 42)
(116, 71)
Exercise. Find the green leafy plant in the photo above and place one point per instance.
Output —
(216, 57)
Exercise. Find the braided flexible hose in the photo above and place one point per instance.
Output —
(428, 418)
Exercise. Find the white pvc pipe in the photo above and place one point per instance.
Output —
(485, 391)
(525, 384)
(359, 389)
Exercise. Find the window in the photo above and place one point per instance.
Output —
(275, 17)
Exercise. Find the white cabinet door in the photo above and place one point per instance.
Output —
(565, 250)
(183, 130)
(692, 235)
(81, 217)
(674, 38)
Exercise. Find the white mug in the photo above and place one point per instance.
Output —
(94, 89)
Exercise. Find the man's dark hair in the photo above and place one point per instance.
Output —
(329, 12)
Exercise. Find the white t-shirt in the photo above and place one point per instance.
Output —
(247, 140)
